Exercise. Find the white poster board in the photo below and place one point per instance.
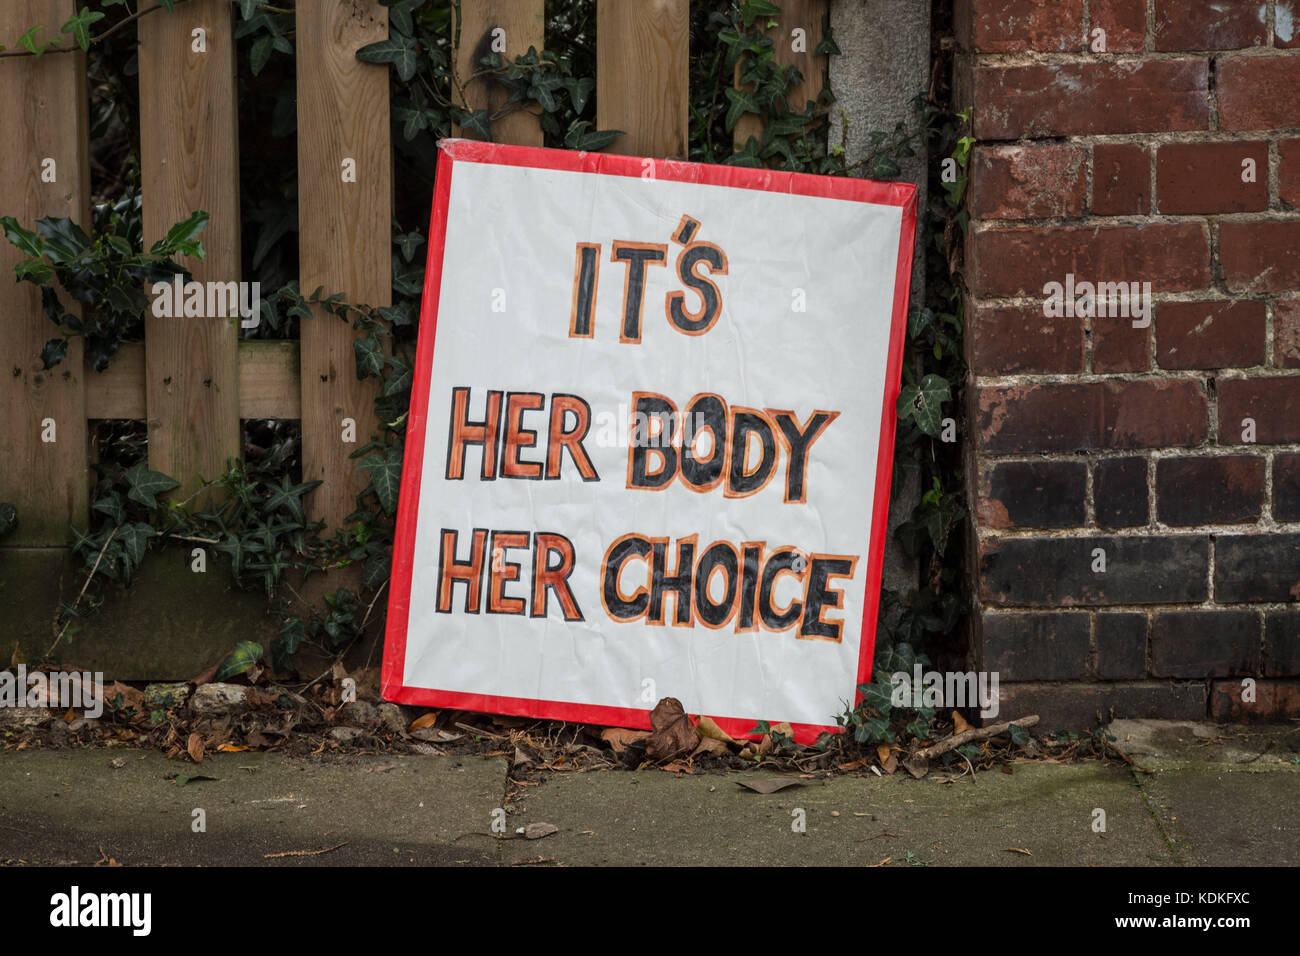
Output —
(650, 439)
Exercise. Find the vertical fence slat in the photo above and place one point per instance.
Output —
(189, 160)
(806, 15)
(42, 116)
(524, 23)
(344, 230)
(642, 75)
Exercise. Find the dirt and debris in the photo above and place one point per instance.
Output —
(342, 712)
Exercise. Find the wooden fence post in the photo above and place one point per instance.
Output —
(344, 233)
(189, 160)
(808, 16)
(642, 75)
(44, 171)
(523, 23)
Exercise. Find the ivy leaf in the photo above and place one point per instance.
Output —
(742, 101)
(289, 496)
(400, 380)
(386, 476)
(579, 91)
(134, 538)
(244, 656)
(111, 505)
(398, 50)
(399, 14)
(369, 354)
(923, 404)
(827, 48)
(79, 26)
(399, 314)
(28, 40)
(408, 243)
(248, 7)
(238, 548)
(581, 136)
(261, 52)
(145, 484)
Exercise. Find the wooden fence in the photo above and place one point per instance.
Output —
(191, 380)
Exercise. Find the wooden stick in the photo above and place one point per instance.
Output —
(918, 763)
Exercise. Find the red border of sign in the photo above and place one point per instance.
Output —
(452, 151)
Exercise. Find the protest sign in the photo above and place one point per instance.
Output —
(650, 439)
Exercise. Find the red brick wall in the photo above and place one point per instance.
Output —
(1088, 435)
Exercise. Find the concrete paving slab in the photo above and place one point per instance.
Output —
(1223, 795)
(658, 819)
(60, 807)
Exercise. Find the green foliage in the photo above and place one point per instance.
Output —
(108, 274)
(239, 660)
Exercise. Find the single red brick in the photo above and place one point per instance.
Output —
(1273, 404)
(1222, 25)
(1286, 333)
(1028, 182)
(1012, 26)
(1021, 260)
(1286, 491)
(1259, 92)
(1121, 179)
(1288, 173)
(1210, 334)
(1125, 23)
(1154, 414)
(1208, 177)
(1275, 701)
(1225, 489)
(1085, 98)
(1260, 256)
(1118, 347)
(1070, 417)
(1011, 339)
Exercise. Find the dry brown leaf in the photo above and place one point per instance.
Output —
(708, 728)
(535, 831)
(890, 765)
(959, 725)
(620, 738)
(852, 765)
(231, 749)
(195, 747)
(757, 749)
(784, 729)
(70, 716)
(770, 784)
(424, 720)
(712, 747)
(882, 753)
(672, 733)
